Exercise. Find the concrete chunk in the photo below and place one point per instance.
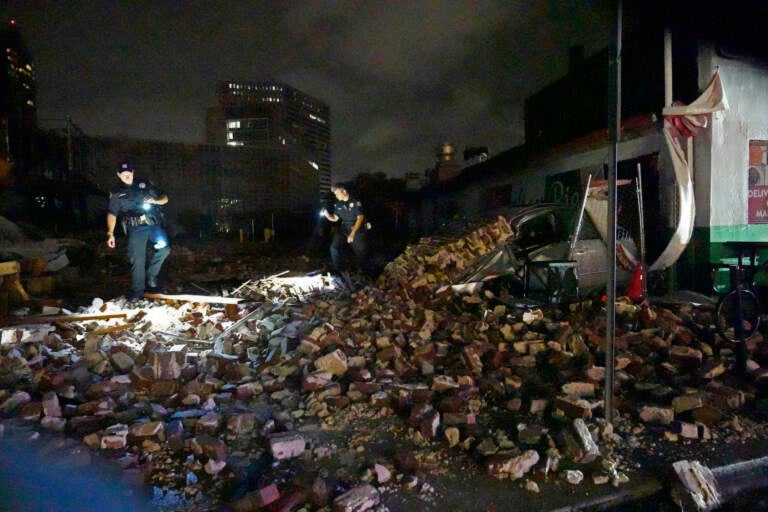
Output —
(334, 362)
(257, 499)
(515, 467)
(51, 405)
(699, 484)
(659, 415)
(286, 445)
(589, 448)
(358, 499)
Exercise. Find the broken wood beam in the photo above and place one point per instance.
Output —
(114, 328)
(10, 279)
(183, 339)
(9, 267)
(44, 319)
(209, 299)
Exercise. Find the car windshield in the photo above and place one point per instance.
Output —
(539, 230)
(551, 226)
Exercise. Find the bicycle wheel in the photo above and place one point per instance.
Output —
(727, 314)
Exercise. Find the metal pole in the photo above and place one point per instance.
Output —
(668, 100)
(641, 222)
(580, 220)
(615, 132)
(667, 68)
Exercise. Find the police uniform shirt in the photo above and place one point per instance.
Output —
(128, 200)
(348, 211)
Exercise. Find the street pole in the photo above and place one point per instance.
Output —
(668, 99)
(614, 87)
(641, 224)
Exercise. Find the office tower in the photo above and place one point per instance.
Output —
(272, 114)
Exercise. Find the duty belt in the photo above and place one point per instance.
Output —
(138, 221)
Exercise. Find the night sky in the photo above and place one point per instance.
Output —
(400, 76)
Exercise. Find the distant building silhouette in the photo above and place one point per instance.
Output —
(18, 95)
(274, 115)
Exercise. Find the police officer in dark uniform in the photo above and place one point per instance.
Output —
(348, 212)
(136, 202)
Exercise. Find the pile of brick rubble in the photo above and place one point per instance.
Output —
(194, 394)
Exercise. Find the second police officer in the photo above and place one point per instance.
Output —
(348, 212)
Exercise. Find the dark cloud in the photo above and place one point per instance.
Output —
(399, 76)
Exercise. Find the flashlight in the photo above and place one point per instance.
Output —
(159, 238)
(322, 212)
(146, 206)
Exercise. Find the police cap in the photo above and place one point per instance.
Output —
(125, 167)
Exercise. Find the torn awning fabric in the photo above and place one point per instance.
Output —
(680, 123)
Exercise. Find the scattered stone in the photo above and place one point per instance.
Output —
(358, 499)
(334, 362)
(286, 445)
(532, 486)
(573, 476)
(257, 499)
(515, 467)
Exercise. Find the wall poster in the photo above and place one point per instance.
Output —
(757, 182)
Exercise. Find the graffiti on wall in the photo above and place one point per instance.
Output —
(565, 188)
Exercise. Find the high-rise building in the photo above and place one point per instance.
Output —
(18, 107)
(272, 114)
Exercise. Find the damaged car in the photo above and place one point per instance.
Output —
(549, 258)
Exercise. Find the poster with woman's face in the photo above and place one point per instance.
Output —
(757, 182)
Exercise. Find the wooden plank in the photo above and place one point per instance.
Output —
(183, 339)
(209, 299)
(44, 319)
(114, 328)
(9, 267)
(12, 283)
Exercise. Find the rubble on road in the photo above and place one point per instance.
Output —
(279, 399)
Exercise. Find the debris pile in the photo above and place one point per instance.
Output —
(435, 261)
(252, 402)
